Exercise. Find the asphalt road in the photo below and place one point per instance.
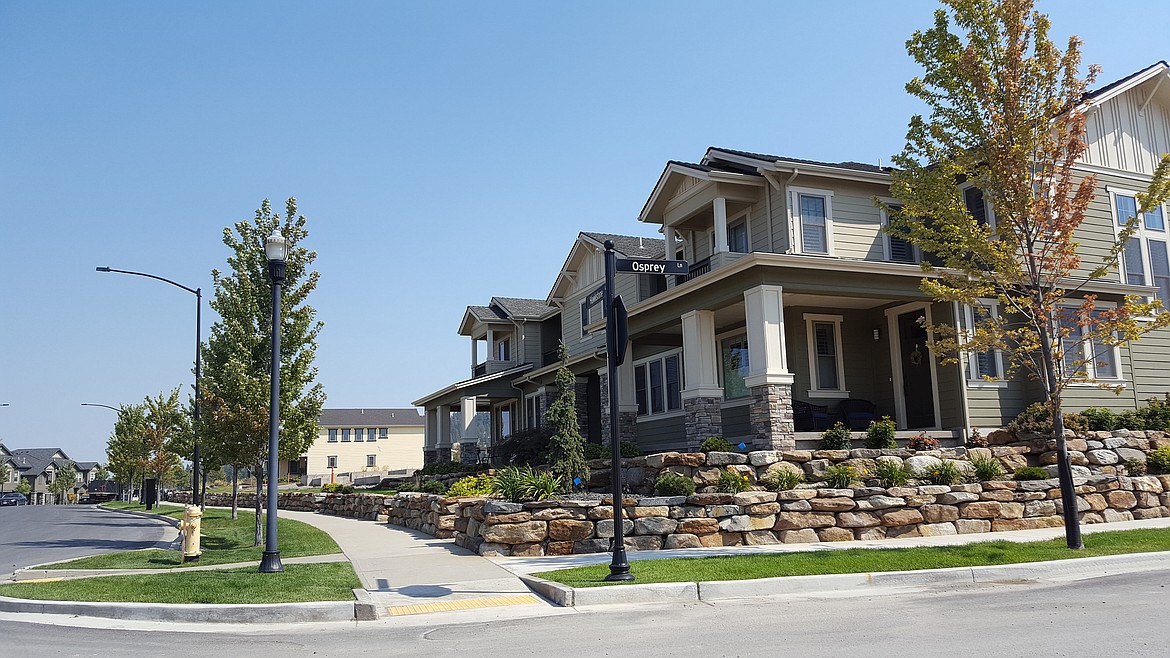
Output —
(1114, 616)
(37, 534)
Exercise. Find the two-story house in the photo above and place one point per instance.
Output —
(798, 300)
(356, 443)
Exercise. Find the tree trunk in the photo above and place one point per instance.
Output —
(259, 524)
(1068, 495)
(235, 490)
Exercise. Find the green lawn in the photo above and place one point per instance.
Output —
(223, 540)
(864, 560)
(331, 581)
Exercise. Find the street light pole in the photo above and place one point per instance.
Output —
(196, 498)
(276, 249)
(94, 404)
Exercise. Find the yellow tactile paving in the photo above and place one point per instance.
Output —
(463, 604)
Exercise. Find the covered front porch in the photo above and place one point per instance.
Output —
(771, 355)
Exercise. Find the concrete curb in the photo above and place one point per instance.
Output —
(184, 612)
(1072, 569)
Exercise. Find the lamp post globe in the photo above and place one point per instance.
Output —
(276, 250)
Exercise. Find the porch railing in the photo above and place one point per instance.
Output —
(699, 268)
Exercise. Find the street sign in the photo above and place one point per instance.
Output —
(595, 296)
(646, 266)
(621, 330)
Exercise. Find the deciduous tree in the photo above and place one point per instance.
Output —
(1007, 116)
(237, 356)
(126, 450)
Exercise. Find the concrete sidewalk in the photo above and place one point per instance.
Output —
(407, 572)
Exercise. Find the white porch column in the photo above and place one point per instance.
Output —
(467, 411)
(668, 234)
(474, 354)
(767, 353)
(719, 205)
(699, 362)
(491, 345)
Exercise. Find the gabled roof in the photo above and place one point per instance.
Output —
(523, 309)
(714, 152)
(34, 461)
(4, 450)
(1128, 82)
(86, 466)
(370, 417)
(487, 313)
(624, 245)
(524, 367)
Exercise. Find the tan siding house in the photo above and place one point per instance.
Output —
(357, 443)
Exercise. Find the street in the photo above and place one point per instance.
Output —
(38, 534)
(1114, 615)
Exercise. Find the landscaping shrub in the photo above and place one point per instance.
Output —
(670, 484)
(840, 476)
(781, 480)
(629, 450)
(472, 485)
(518, 483)
(331, 487)
(732, 482)
(880, 434)
(892, 474)
(1135, 467)
(1158, 461)
(836, 437)
(1030, 473)
(976, 440)
(432, 487)
(1100, 420)
(987, 469)
(1037, 419)
(944, 472)
(447, 468)
(596, 451)
(525, 447)
(923, 442)
(716, 444)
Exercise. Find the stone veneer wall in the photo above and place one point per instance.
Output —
(563, 527)
(372, 507)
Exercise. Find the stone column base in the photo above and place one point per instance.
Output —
(443, 454)
(628, 426)
(704, 419)
(771, 417)
(430, 457)
(469, 452)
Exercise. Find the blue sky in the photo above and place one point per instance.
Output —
(443, 152)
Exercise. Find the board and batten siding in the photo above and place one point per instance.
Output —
(1120, 135)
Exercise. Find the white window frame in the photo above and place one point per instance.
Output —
(1087, 347)
(345, 432)
(815, 390)
(332, 434)
(666, 412)
(797, 221)
(1140, 234)
(745, 217)
(371, 461)
(383, 433)
(359, 435)
(331, 461)
(503, 345)
(971, 358)
(887, 249)
(533, 414)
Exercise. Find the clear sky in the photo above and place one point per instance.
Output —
(443, 152)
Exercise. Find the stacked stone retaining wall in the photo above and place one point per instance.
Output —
(372, 507)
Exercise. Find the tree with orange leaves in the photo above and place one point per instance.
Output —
(1007, 116)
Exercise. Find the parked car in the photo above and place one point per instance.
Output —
(13, 498)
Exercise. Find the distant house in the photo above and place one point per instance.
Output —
(353, 442)
(39, 467)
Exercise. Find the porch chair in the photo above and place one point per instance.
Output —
(809, 417)
(857, 413)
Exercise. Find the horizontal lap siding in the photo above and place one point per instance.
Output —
(660, 435)
(737, 421)
(996, 406)
(1151, 372)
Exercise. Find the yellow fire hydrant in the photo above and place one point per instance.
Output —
(190, 529)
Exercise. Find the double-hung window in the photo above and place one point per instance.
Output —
(812, 213)
(532, 411)
(658, 384)
(737, 236)
(331, 460)
(371, 434)
(359, 434)
(1145, 261)
(1088, 356)
(826, 366)
(986, 365)
(332, 436)
(383, 433)
(345, 435)
(371, 461)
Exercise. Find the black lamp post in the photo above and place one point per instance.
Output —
(276, 249)
(196, 498)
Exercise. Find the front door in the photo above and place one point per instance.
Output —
(917, 380)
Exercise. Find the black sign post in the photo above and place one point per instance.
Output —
(616, 337)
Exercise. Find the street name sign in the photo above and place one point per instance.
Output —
(646, 266)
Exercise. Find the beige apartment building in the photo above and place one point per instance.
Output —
(358, 443)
